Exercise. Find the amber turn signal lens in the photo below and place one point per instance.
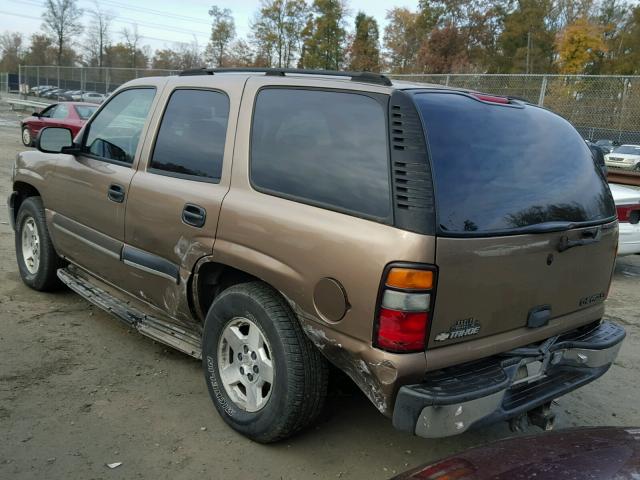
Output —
(410, 278)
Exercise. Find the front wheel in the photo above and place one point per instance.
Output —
(38, 261)
(26, 137)
(265, 378)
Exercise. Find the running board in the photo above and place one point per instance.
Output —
(162, 331)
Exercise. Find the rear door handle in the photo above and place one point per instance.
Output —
(116, 193)
(194, 215)
(588, 237)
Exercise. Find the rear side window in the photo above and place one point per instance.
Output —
(190, 141)
(324, 148)
(85, 111)
(503, 169)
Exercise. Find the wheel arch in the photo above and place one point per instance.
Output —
(21, 191)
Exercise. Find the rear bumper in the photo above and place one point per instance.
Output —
(452, 400)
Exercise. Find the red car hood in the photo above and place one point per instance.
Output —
(582, 453)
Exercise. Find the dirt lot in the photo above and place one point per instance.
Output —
(78, 390)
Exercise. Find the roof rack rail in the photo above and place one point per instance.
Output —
(365, 77)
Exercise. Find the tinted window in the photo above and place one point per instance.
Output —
(47, 112)
(326, 147)
(115, 132)
(191, 137)
(61, 111)
(500, 168)
(628, 149)
(85, 111)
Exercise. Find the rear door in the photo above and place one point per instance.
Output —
(526, 229)
(175, 198)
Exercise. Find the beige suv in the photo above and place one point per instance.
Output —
(450, 251)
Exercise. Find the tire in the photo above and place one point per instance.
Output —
(27, 141)
(299, 373)
(38, 261)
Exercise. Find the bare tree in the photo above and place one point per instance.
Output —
(61, 19)
(98, 34)
(132, 39)
(12, 51)
(223, 31)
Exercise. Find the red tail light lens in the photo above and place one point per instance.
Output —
(628, 213)
(404, 310)
(402, 331)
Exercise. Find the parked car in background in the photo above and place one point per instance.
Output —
(624, 156)
(77, 95)
(607, 145)
(602, 453)
(41, 88)
(72, 115)
(93, 97)
(628, 209)
(68, 95)
(53, 94)
(44, 91)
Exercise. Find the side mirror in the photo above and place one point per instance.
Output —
(35, 114)
(54, 140)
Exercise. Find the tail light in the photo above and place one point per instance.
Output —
(403, 316)
(628, 213)
(491, 98)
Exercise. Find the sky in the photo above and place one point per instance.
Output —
(162, 23)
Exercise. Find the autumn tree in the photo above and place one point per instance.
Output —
(365, 48)
(325, 35)
(527, 41)
(444, 51)
(579, 46)
(402, 39)
(132, 40)
(12, 51)
(223, 31)
(61, 19)
(277, 31)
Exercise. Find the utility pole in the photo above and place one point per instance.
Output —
(528, 49)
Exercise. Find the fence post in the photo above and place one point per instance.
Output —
(38, 75)
(446, 82)
(625, 84)
(543, 91)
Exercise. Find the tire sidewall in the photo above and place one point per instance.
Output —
(26, 128)
(30, 208)
(226, 308)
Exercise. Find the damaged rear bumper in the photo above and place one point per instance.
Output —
(452, 400)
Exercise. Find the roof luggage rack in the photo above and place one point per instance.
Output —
(365, 77)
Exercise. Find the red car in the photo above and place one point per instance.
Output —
(72, 115)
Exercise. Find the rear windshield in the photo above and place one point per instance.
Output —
(501, 169)
(628, 149)
(85, 111)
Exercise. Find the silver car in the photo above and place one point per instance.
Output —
(624, 156)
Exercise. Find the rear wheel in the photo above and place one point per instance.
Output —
(26, 136)
(264, 376)
(38, 261)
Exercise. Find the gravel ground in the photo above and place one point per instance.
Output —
(78, 390)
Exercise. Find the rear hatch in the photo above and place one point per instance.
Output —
(525, 221)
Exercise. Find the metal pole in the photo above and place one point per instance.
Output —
(543, 91)
(447, 81)
(38, 75)
(19, 77)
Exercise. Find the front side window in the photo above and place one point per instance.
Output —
(47, 112)
(190, 141)
(61, 111)
(324, 148)
(115, 132)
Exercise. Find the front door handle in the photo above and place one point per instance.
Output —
(194, 215)
(116, 193)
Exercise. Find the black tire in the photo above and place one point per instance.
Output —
(301, 372)
(25, 142)
(45, 277)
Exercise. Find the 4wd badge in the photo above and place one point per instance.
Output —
(462, 328)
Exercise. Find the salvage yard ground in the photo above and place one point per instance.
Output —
(78, 391)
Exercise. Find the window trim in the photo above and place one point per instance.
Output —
(187, 176)
(87, 127)
(383, 100)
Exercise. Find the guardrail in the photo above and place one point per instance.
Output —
(19, 101)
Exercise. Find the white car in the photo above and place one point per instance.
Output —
(628, 208)
(624, 156)
(93, 97)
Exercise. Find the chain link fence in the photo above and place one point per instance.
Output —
(88, 79)
(600, 107)
(4, 83)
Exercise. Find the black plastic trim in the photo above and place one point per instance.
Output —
(412, 182)
(150, 262)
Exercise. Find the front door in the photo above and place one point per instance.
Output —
(174, 203)
(88, 207)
